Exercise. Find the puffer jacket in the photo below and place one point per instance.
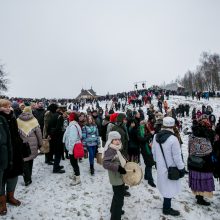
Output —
(33, 138)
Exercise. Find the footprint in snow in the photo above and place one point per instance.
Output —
(156, 197)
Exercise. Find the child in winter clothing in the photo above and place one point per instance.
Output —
(114, 162)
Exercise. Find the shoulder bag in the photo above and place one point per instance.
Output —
(78, 150)
(195, 162)
(173, 172)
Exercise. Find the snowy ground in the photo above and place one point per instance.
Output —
(51, 196)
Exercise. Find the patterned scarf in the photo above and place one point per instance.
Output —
(199, 146)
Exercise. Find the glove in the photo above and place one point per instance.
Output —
(182, 172)
(121, 170)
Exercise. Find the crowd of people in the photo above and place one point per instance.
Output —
(125, 133)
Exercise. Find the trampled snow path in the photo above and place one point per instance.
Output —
(51, 196)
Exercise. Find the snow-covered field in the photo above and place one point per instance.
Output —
(51, 196)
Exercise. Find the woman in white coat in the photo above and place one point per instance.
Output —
(72, 135)
(172, 152)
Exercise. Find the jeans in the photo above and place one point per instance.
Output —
(10, 184)
(28, 166)
(74, 163)
(167, 203)
(117, 202)
(92, 153)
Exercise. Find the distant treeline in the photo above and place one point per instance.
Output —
(206, 77)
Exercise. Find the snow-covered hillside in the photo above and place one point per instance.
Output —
(51, 196)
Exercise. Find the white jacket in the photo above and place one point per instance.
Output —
(172, 152)
(72, 135)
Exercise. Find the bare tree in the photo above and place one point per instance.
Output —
(3, 80)
(210, 66)
(206, 76)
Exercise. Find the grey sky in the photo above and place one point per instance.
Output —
(53, 48)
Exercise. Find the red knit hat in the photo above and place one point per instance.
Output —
(72, 116)
(113, 117)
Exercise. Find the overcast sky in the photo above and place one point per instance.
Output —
(53, 48)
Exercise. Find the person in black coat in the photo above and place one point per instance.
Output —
(5, 158)
(120, 127)
(216, 151)
(133, 143)
(14, 164)
(39, 113)
(55, 132)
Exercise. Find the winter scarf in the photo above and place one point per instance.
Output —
(27, 124)
(120, 157)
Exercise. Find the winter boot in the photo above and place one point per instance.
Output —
(77, 181)
(92, 171)
(127, 194)
(73, 177)
(152, 184)
(201, 201)
(3, 208)
(11, 199)
(171, 211)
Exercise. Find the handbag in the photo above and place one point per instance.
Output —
(195, 162)
(78, 150)
(173, 172)
(99, 158)
(45, 148)
(26, 150)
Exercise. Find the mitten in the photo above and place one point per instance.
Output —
(121, 170)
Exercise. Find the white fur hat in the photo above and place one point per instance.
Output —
(111, 136)
(168, 122)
